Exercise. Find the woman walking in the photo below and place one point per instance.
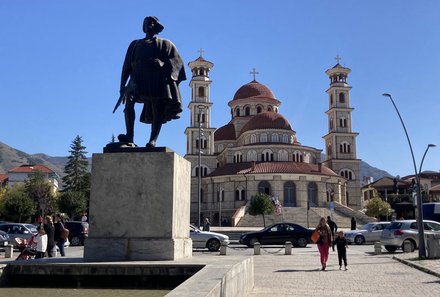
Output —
(59, 227)
(324, 241)
(50, 231)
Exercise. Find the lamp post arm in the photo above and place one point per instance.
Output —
(406, 133)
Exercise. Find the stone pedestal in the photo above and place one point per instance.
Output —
(139, 207)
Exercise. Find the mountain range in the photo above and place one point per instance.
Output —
(11, 158)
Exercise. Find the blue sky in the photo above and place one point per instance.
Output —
(60, 64)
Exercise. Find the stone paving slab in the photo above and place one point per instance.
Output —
(367, 275)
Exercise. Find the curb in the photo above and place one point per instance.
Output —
(419, 267)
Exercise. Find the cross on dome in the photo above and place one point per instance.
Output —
(254, 72)
(338, 58)
(201, 51)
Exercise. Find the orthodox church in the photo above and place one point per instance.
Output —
(258, 151)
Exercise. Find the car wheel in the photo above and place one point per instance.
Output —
(412, 245)
(390, 248)
(75, 240)
(301, 242)
(359, 240)
(253, 241)
(213, 245)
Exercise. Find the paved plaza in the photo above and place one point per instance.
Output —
(299, 274)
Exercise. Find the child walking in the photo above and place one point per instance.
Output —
(341, 246)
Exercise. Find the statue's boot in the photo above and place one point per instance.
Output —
(155, 130)
(129, 125)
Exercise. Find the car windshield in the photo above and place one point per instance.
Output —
(32, 228)
(366, 227)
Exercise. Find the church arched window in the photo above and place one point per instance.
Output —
(283, 155)
(264, 187)
(253, 138)
(275, 138)
(329, 151)
(267, 156)
(251, 156)
(344, 147)
(263, 137)
(220, 148)
(259, 109)
(297, 157)
(238, 157)
(285, 138)
(347, 173)
(342, 122)
(247, 111)
(237, 112)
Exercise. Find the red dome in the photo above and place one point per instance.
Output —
(253, 89)
(226, 132)
(267, 120)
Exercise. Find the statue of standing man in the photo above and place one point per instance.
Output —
(151, 75)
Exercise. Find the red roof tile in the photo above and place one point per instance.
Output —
(31, 168)
(226, 132)
(3, 178)
(271, 167)
(267, 120)
(253, 89)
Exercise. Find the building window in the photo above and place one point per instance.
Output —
(289, 194)
(204, 171)
(253, 138)
(237, 112)
(331, 123)
(201, 92)
(263, 137)
(220, 148)
(331, 100)
(247, 111)
(344, 147)
(239, 193)
(298, 157)
(251, 156)
(275, 138)
(264, 187)
(267, 156)
(285, 138)
(341, 98)
(283, 155)
(312, 194)
(343, 122)
(238, 157)
(348, 174)
(329, 151)
(259, 109)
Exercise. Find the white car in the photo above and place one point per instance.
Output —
(370, 232)
(205, 239)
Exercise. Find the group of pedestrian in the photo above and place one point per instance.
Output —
(50, 235)
(327, 230)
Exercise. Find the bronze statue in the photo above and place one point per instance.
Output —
(151, 75)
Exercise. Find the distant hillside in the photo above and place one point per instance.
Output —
(10, 158)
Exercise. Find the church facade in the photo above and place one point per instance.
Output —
(258, 151)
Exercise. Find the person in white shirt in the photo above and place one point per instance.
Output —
(41, 240)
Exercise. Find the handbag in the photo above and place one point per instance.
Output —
(315, 236)
(64, 233)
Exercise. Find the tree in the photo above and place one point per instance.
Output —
(76, 168)
(41, 191)
(377, 207)
(261, 205)
(17, 206)
(73, 203)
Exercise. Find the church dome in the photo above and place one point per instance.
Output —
(253, 89)
(267, 120)
(226, 132)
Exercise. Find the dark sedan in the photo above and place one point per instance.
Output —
(278, 234)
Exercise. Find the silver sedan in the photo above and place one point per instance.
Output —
(205, 239)
(370, 232)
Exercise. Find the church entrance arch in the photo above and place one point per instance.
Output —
(289, 194)
(312, 194)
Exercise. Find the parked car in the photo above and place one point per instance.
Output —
(207, 239)
(370, 232)
(78, 231)
(4, 239)
(278, 234)
(14, 230)
(398, 232)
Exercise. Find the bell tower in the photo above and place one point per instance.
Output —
(340, 141)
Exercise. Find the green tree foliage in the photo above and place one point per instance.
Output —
(76, 178)
(73, 203)
(17, 206)
(261, 204)
(376, 207)
(41, 191)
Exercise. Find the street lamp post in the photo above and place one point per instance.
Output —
(422, 249)
(199, 171)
